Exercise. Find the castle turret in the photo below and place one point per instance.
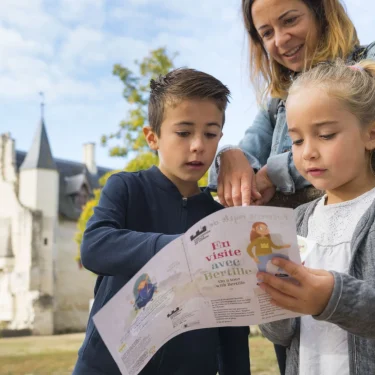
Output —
(39, 191)
(39, 178)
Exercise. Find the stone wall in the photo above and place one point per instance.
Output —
(74, 287)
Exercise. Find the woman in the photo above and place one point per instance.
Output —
(286, 38)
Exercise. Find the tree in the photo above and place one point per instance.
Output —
(136, 94)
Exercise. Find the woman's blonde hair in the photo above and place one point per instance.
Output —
(352, 85)
(337, 35)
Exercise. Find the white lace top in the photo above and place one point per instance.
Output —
(323, 346)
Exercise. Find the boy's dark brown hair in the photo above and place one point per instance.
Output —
(180, 84)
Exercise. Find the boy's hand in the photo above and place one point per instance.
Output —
(310, 296)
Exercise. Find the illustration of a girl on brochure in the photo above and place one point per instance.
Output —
(260, 248)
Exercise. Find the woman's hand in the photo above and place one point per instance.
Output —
(265, 187)
(236, 182)
(310, 296)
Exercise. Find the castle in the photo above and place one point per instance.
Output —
(42, 289)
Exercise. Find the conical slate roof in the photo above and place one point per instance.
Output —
(39, 155)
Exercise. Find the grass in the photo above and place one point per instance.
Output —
(56, 355)
(263, 358)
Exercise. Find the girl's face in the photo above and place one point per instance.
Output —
(330, 147)
(286, 27)
(142, 284)
(262, 230)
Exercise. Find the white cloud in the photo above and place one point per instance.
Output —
(12, 42)
(195, 9)
(40, 53)
(91, 11)
(121, 13)
(85, 48)
(30, 19)
(67, 49)
(81, 45)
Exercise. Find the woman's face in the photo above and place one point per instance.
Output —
(285, 28)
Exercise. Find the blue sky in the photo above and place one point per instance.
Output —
(67, 49)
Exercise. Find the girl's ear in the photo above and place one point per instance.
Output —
(151, 138)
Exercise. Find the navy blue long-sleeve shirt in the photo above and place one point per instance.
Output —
(137, 215)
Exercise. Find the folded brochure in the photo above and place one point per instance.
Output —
(205, 278)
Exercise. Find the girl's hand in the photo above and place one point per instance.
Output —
(265, 187)
(236, 182)
(309, 296)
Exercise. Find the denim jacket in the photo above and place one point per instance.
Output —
(265, 145)
(352, 303)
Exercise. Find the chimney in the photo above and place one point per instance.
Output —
(89, 157)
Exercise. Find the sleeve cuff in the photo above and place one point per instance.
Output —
(278, 172)
(221, 151)
(215, 167)
(334, 300)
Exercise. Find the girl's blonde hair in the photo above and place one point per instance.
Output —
(352, 85)
(337, 35)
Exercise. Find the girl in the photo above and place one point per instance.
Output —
(285, 38)
(331, 120)
(261, 246)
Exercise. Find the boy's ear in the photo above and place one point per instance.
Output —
(370, 143)
(151, 138)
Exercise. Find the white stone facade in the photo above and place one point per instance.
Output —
(42, 289)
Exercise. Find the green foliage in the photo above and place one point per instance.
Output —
(136, 94)
(86, 213)
(143, 161)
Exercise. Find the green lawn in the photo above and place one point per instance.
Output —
(56, 355)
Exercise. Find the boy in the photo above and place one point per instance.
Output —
(139, 213)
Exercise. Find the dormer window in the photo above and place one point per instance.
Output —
(81, 197)
(78, 189)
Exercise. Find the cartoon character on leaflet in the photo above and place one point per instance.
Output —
(260, 249)
(143, 291)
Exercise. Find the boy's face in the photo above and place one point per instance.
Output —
(189, 136)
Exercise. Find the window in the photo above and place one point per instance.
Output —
(81, 198)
